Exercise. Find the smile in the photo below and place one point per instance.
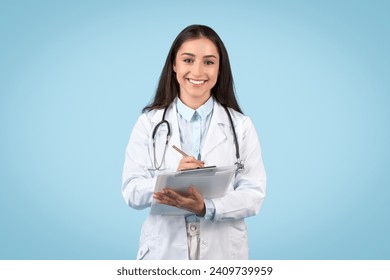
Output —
(196, 82)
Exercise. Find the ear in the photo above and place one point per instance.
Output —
(174, 68)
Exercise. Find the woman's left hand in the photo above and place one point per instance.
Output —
(192, 200)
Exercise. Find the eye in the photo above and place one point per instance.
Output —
(209, 62)
(188, 60)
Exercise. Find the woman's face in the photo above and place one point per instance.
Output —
(196, 66)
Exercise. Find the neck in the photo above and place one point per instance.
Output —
(194, 103)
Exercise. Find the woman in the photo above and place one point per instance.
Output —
(195, 85)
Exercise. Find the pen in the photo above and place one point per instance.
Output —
(180, 151)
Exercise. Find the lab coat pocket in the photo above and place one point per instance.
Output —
(238, 240)
(143, 251)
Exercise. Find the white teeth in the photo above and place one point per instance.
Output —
(196, 82)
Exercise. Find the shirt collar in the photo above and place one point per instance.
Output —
(187, 113)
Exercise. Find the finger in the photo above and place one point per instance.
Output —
(192, 189)
(175, 195)
(183, 200)
(190, 163)
(163, 199)
(158, 197)
(199, 205)
(190, 159)
(170, 193)
(195, 194)
(170, 197)
(161, 196)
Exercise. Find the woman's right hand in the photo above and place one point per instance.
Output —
(189, 162)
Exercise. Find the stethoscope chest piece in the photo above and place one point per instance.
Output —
(240, 165)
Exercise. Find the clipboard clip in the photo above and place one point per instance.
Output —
(207, 170)
(198, 168)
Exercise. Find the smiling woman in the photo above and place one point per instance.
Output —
(196, 67)
(194, 108)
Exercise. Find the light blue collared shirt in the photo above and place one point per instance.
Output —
(193, 127)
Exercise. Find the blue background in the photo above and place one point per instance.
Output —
(313, 76)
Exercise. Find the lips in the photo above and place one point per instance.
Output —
(196, 82)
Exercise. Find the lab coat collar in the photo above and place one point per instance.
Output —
(220, 115)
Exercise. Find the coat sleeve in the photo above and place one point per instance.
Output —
(249, 185)
(137, 181)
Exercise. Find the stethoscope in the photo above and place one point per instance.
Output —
(239, 163)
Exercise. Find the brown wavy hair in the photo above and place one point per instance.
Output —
(168, 87)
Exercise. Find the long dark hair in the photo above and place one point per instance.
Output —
(168, 87)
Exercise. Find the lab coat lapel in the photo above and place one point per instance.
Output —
(216, 134)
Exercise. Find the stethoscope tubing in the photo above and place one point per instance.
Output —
(239, 163)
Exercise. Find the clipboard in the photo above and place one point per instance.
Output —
(211, 182)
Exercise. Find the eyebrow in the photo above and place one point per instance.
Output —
(206, 56)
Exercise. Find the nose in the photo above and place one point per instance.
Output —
(197, 69)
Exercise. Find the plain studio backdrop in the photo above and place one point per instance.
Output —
(312, 75)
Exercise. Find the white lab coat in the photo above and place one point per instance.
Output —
(225, 237)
